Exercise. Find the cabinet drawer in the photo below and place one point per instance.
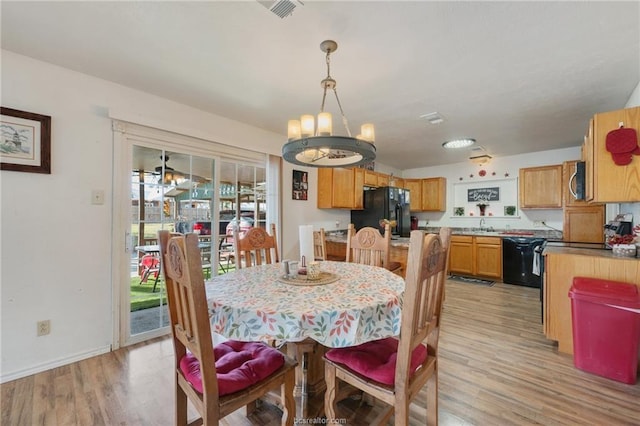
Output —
(489, 240)
(462, 239)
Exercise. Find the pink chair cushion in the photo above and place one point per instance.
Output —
(238, 365)
(376, 360)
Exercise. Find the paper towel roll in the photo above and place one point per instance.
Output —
(306, 243)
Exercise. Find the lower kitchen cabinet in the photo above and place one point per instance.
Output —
(561, 266)
(476, 255)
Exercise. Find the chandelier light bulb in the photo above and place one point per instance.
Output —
(324, 124)
(368, 132)
(293, 130)
(307, 125)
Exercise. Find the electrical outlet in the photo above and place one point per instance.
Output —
(44, 327)
(337, 224)
(538, 223)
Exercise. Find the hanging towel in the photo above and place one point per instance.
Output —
(536, 263)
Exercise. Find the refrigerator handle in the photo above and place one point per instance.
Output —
(398, 218)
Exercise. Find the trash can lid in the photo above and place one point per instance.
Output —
(605, 292)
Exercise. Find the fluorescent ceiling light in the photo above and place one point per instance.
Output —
(458, 143)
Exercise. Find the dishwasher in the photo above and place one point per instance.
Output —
(518, 255)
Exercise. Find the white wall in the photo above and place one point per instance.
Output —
(500, 166)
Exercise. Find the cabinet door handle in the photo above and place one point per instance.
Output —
(571, 179)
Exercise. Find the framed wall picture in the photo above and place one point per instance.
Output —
(300, 185)
(25, 141)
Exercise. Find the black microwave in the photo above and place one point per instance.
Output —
(577, 182)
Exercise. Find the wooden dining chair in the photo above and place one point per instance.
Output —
(394, 370)
(368, 247)
(219, 379)
(319, 245)
(255, 247)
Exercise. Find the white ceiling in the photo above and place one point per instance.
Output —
(517, 76)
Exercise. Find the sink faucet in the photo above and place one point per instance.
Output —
(482, 223)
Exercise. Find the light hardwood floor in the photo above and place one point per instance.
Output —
(496, 368)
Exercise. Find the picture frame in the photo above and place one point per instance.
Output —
(300, 185)
(25, 141)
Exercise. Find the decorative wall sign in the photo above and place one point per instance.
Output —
(25, 141)
(300, 185)
(483, 194)
(494, 194)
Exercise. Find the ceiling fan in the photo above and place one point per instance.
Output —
(170, 174)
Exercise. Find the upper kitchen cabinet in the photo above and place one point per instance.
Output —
(610, 182)
(434, 194)
(415, 192)
(541, 187)
(375, 179)
(427, 195)
(340, 188)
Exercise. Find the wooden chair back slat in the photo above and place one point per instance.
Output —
(255, 247)
(367, 246)
(319, 245)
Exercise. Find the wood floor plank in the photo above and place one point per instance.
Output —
(496, 368)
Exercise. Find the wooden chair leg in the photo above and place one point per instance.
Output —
(330, 393)
(432, 398)
(181, 407)
(288, 402)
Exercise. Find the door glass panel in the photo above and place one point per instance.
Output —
(242, 189)
(172, 191)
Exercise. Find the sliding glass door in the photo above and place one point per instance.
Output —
(173, 191)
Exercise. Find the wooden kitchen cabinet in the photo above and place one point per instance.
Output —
(396, 182)
(584, 224)
(561, 266)
(375, 179)
(340, 188)
(541, 187)
(434, 194)
(612, 183)
(461, 255)
(476, 255)
(415, 192)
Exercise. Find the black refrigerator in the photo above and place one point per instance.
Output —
(384, 203)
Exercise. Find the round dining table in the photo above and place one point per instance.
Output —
(361, 304)
(252, 304)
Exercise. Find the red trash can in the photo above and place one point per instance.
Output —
(606, 328)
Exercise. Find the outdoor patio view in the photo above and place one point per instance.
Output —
(180, 192)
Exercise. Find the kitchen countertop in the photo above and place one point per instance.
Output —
(403, 242)
(604, 253)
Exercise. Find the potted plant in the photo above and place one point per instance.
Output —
(482, 206)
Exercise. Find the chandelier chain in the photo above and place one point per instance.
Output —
(329, 82)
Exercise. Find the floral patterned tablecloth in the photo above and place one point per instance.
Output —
(251, 304)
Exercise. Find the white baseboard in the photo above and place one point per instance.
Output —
(7, 377)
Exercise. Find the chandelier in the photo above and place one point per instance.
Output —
(316, 146)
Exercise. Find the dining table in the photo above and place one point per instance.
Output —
(348, 305)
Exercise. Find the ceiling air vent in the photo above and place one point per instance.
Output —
(433, 118)
(477, 149)
(282, 8)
